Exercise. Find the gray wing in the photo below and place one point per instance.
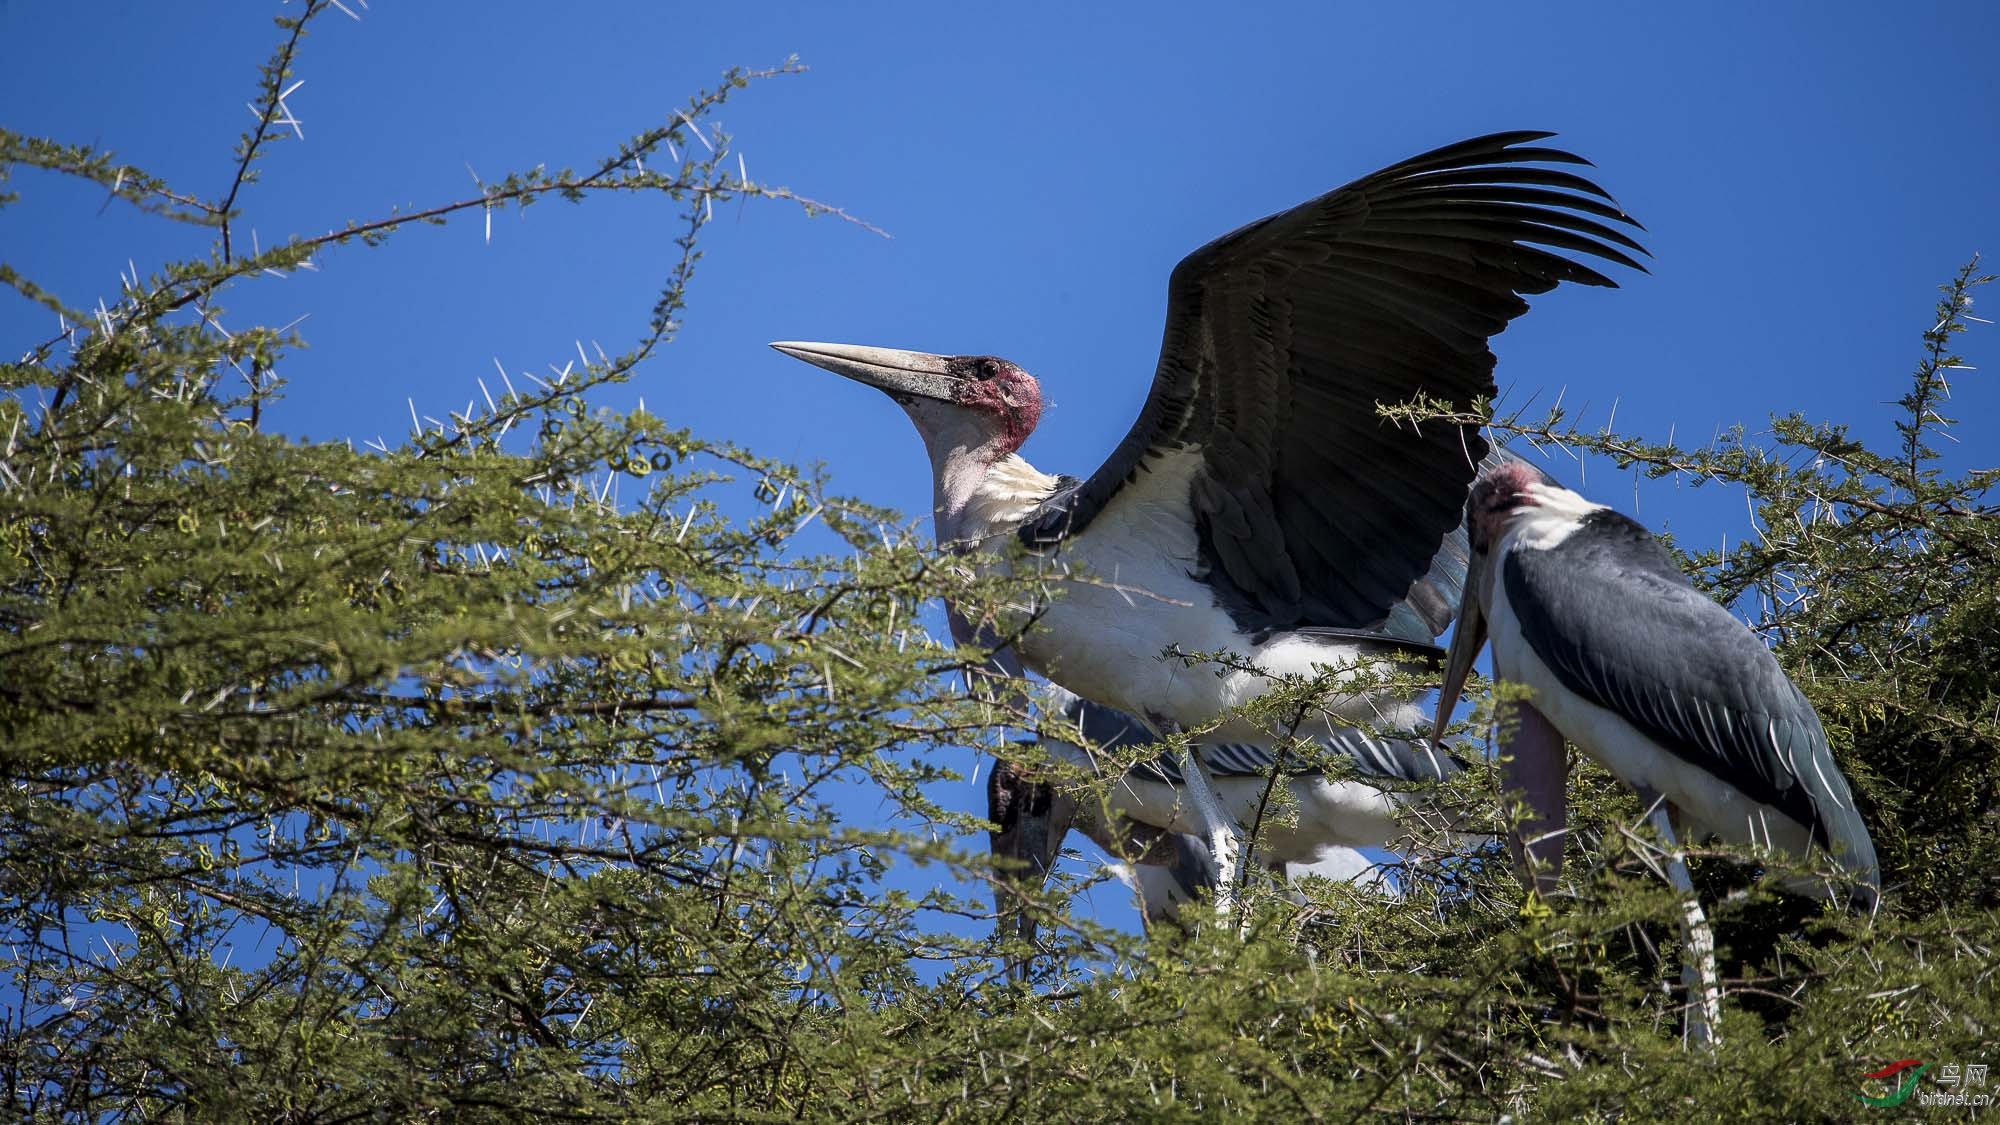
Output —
(1282, 337)
(1619, 624)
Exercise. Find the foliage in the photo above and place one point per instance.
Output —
(443, 781)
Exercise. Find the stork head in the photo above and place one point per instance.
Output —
(977, 406)
(1510, 490)
(1498, 498)
(1030, 817)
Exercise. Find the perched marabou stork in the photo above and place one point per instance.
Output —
(1653, 679)
(1259, 505)
(1361, 802)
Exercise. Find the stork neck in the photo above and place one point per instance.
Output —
(978, 498)
(1556, 515)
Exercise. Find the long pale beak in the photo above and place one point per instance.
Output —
(905, 374)
(1466, 641)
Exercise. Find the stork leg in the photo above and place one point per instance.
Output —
(1218, 829)
(1534, 768)
(1698, 972)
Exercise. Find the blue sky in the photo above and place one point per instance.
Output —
(1807, 173)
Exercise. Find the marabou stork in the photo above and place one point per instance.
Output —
(1360, 803)
(1357, 804)
(1653, 679)
(1260, 505)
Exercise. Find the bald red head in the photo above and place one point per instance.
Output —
(1496, 496)
(1008, 398)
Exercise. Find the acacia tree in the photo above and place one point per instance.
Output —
(348, 782)
(430, 781)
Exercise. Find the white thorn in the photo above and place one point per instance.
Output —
(689, 122)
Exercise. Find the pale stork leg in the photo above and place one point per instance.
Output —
(1698, 972)
(1218, 829)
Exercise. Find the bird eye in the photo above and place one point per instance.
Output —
(987, 369)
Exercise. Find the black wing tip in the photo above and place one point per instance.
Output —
(1476, 159)
(1601, 245)
(1496, 142)
(1518, 136)
(1507, 143)
(1541, 155)
(1511, 147)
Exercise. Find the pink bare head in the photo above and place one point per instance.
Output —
(1497, 496)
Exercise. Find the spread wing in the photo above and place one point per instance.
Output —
(1283, 336)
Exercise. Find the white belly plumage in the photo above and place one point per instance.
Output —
(1320, 813)
(1122, 594)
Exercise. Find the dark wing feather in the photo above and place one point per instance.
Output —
(1105, 727)
(1619, 624)
(1282, 337)
(1386, 758)
(1368, 757)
